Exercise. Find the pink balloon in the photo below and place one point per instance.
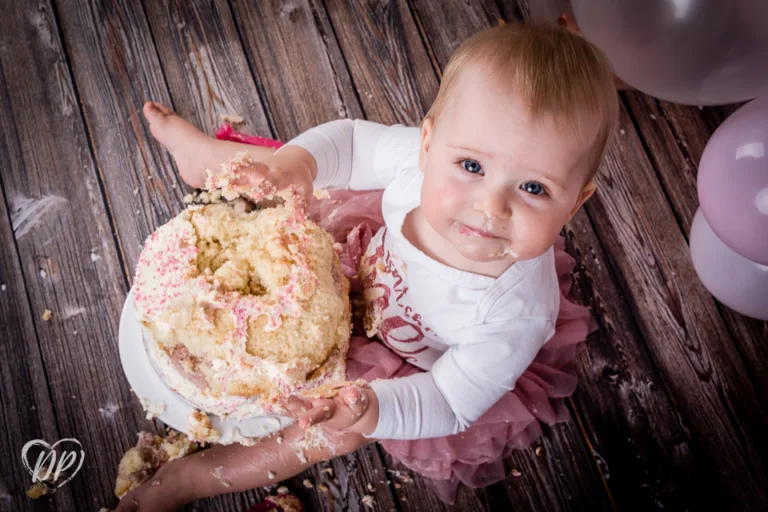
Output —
(733, 181)
(696, 52)
(737, 282)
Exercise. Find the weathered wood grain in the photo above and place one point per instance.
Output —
(415, 493)
(356, 476)
(116, 70)
(558, 473)
(683, 331)
(296, 59)
(26, 412)
(675, 137)
(647, 455)
(393, 74)
(66, 251)
(446, 25)
(204, 64)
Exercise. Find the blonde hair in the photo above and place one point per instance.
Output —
(552, 70)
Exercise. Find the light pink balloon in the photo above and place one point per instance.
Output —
(737, 282)
(696, 52)
(733, 181)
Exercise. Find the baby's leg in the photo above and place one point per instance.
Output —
(193, 150)
(234, 468)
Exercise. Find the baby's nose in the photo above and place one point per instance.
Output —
(495, 204)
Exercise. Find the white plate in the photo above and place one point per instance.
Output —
(148, 385)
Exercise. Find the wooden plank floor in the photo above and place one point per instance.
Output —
(671, 410)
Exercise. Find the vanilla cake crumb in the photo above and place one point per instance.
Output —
(233, 119)
(321, 193)
(153, 409)
(200, 428)
(218, 475)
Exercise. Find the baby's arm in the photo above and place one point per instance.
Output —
(234, 468)
(356, 155)
(463, 384)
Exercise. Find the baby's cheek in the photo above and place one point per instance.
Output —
(538, 233)
(452, 195)
(437, 198)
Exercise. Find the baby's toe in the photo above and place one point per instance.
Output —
(165, 110)
(156, 112)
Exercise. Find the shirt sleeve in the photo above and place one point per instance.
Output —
(463, 383)
(357, 154)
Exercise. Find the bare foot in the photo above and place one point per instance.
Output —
(192, 150)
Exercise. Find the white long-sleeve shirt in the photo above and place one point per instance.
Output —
(475, 335)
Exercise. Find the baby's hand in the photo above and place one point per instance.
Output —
(353, 409)
(289, 172)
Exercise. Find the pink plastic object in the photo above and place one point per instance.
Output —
(696, 52)
(226, 132)
(733, 181)
(739, 283)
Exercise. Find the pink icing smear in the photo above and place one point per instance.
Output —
(173, 259)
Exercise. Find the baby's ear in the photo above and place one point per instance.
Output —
(426, 140)
(586, 192)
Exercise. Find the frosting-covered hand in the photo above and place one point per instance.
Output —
(352, 409)
(287, 174)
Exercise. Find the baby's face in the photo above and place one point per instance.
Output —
(498, 187)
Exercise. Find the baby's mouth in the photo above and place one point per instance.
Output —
(465, 230)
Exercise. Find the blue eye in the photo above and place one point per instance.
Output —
(533, 187)
(472, 166)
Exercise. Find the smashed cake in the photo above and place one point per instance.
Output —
(242, 307)
(142, 461)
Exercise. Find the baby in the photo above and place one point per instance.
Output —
(460, 283)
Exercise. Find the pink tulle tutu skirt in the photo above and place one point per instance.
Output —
(474, 457)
